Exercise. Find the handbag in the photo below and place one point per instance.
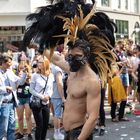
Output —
(36, 102)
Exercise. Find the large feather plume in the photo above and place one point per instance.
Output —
(46, 24)
(101, 44)
(102, 55)
(66, 21)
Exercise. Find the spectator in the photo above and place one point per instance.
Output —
(57, 99)
(8, 86)
(42, 87)
(23, 95)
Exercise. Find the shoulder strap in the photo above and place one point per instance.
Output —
(45, 83)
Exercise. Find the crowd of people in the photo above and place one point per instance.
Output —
(69, 74)
(42, 79)
(24, 81)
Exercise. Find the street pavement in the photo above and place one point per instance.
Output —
(121, 130)
(114, 130)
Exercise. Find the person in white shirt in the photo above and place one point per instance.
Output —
(41, 86)
(8, 86)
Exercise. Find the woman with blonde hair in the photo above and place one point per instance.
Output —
(42, 87)
(24, 95)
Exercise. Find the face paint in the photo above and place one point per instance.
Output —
(76, 62)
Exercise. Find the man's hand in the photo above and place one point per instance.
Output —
(58, 60)
(9, 89)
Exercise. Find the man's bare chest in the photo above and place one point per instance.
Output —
(76, 88)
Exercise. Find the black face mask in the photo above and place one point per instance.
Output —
(75, 62)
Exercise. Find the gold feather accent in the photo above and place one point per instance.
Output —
(72, 26)
(102, 49)
(84, 21)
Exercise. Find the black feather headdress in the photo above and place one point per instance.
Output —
(69, 20)
(46, 24)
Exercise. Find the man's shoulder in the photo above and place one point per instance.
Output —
(55, 69)
(92, 81)
(92, 76)
(10, 71)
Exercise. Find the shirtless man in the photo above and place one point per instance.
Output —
(83, 100)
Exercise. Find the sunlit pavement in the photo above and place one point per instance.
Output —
(121, 130)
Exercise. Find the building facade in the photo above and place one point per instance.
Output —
(126, 15)
(12, 22)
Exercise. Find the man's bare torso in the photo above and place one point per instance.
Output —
(75, 107)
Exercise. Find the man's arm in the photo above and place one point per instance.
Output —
(3, 89)
(20, 80)
(60, 85)
(57, 59)
(93, 105)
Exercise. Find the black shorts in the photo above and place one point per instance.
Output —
(74, 133)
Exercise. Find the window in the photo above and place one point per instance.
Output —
(105, 3)
(10, 30)
(119, 4)
(122, 27)
(10, 34)
(136, 6)
(126, 4)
